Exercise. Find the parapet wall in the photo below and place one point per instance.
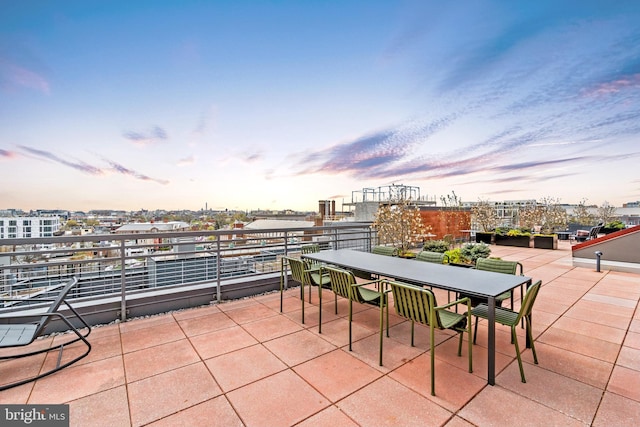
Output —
(620, 251)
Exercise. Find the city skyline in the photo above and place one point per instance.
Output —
(276, 105)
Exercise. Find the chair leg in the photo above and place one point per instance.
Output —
(412, 324)
(302, 299)
(515, 341)
(475, 331)
(433, 360)
(350, 318)
(533, 346)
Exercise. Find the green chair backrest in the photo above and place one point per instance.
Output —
(385, 250)
(310, 249)
(298, 268)
(341, 283)
(435, 257)
(528, 300)
(415, 303)
(498, 265)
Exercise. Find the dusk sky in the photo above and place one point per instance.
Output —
(278, 104)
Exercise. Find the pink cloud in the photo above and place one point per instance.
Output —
(15, 76)
(615, 86)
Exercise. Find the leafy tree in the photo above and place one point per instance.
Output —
(606, 212)
(548, 215)
(485, 215)
(581, 214)
(399, 224)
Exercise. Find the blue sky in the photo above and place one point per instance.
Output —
(279, 104)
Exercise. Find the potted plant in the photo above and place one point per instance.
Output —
(485, 216)
(467, 255)
(513, 237)
(545, 241)
(612, 227)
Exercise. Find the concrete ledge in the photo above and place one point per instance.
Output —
(627, 267)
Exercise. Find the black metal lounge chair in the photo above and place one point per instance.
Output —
(21, 330)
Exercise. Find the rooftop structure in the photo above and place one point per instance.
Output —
(243, 362)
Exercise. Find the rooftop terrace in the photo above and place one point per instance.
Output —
(245, 363)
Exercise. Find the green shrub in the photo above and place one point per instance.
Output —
(435, 246)
(455, 256)
(615, 224)
(473, 251)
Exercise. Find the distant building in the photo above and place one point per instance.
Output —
(152, 227)
(20, 227)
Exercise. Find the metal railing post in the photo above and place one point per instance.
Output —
(218, 269)
(123, 283)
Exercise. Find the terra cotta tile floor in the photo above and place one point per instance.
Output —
(243, 363)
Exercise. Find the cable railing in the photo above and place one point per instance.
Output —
(124, 266)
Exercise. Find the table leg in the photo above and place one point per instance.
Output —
(491, 356)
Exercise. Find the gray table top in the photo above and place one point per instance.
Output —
(469, 281)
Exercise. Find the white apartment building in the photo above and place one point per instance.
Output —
(19, 227)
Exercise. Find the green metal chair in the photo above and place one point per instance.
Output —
(385, 250)
(419, 305)
(343, 283)
(434, 257)
(310, 248)
(511, 318)
(501, 266)
(305, 274)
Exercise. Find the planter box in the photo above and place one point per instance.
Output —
(545, 242)
(605, 230)
(484, 237)
(519, 241)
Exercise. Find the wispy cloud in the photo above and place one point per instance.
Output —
(118, 168)
(187, 161)
(154, 135)
(80, 166)
(14, 76)
(6, 154)
(87, 168)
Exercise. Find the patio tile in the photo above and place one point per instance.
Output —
(216, 412)
(241, 367)
(331, 416)
(150, 336)
(222, 341)
(388, 403)
(251, 313)
(617, 410)
(629, 358)
(632, 340)
(624, 381)
(565, 362)
(191, 313)
(215, 321)
(337, 332)
(20, 369)
(394, 353)
(102, 347)
(75, 382)
(283, 399)
(155, 360)
(299, 347)
(595, 330)
(570, 397)
(17, 395)
(142, 323)
(108, 408)
(271, 327)
(454, 386)
(170, 392)
(583, 344)
(458, 422)
(336, 374)
(496, 406)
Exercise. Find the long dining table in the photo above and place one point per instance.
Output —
(481, 284)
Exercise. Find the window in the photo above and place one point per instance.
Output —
(26, 222)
